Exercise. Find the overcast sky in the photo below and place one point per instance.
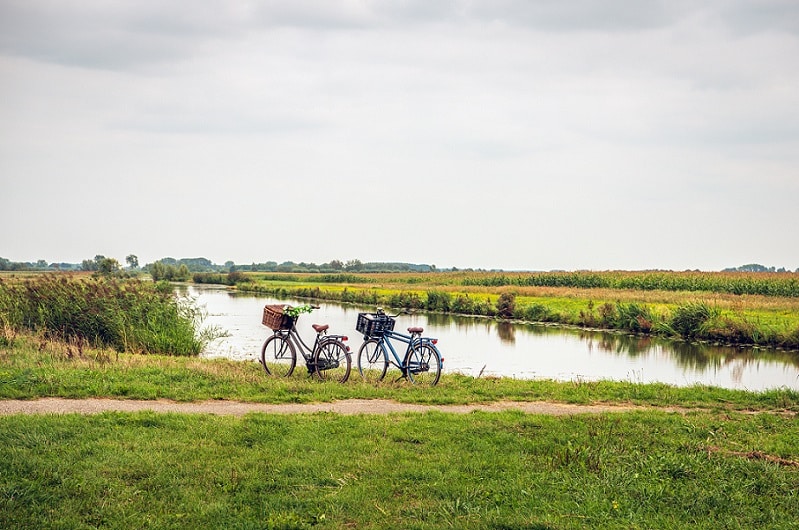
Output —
(513, 134)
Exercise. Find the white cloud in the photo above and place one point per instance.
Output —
(488, 134)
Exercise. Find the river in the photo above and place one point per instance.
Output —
(485, 347)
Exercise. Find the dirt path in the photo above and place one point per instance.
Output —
(236, 408)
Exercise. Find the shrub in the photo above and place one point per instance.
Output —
(633, 317)
(691, 320)
(438, 301)
(506, 305)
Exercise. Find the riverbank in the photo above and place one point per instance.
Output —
(33, 367)
(720, 316)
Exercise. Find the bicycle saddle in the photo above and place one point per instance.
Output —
(415, 330)
(319, 328)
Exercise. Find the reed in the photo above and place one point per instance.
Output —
(124, 314)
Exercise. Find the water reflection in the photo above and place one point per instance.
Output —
(482, 346)
(506, 332)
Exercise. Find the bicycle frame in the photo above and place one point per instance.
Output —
(410, 340)
(293, 336)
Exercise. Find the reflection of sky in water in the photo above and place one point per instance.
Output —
(473, 346)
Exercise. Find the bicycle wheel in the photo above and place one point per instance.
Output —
(423, 363)
(277, 356)
(332, 361)
(372, 360)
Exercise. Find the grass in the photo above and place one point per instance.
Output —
(434, 470)
(34, 367)
(715, 464)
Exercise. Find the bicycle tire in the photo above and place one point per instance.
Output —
(278, 356)
(372, 360)
(332, 361)
(423, 365)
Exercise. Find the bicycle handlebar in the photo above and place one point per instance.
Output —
(380, 311)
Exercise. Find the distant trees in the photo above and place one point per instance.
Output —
(756, 267)
(353, 265)
(108, 267)
(167, 271)
(133, 261)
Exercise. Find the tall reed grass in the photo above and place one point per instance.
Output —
(124, 314)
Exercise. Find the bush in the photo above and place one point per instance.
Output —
(691, 320)
(506, 305)
(633, 317)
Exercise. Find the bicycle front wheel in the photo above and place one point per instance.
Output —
(278, 356)
(423, 364)
(372, 361)
(332, 361)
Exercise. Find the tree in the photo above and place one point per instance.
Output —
(353, 265)
(133, 261)
(108, 267)
(336, 265)
(182, 274)
(158, 271)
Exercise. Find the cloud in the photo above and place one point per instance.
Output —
(586, 126)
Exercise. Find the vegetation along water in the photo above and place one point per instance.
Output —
(734, 308)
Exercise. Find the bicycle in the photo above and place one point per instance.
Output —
(328, 359)
(422, 361)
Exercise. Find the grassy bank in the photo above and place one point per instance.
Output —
(721, 316)
(483, 470)
(714, 465)
(125, 314)
(34, 367)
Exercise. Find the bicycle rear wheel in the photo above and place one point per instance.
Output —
(372, 360)
(423, 364)
(278, 356)
(332, 361)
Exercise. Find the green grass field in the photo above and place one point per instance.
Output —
(434, 470)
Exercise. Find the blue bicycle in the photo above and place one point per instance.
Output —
(421, 363)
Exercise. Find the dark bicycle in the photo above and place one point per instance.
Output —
(329, 358)
(421, 363)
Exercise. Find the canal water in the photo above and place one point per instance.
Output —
(485, 347)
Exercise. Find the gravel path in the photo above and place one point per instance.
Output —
(236, 408)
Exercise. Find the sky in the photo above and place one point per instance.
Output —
(496, 134)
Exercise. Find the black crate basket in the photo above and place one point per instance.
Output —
(275, 318)
(374, 324)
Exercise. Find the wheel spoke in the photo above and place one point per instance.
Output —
(332, 361)
(372, 361)
(423, 363)
(278, 357)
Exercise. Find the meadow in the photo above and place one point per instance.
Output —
(698, 457)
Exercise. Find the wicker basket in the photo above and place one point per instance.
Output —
(373, 324)
(275, 319)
